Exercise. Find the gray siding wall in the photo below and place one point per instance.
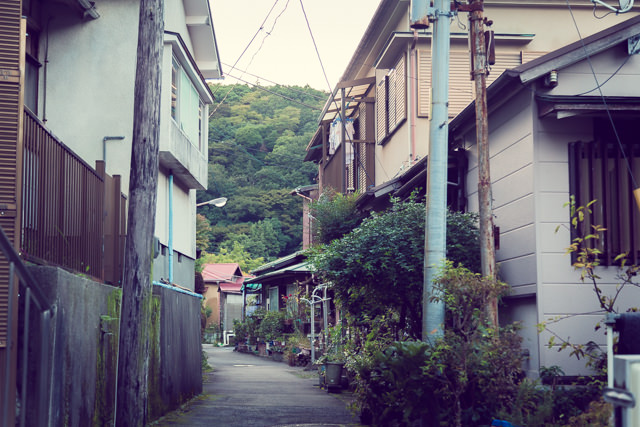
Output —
(512, 175)
(570, 304)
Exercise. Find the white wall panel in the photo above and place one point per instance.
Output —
(513, 187)
(550, 207)
(552, 177)
(515, 214)
(518, 271)
(552, 241)
(517, 243)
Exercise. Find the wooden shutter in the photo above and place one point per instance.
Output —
(461, 91)
(381, 111)
(424, 83)
(400, 83)
(11, 65)
(504, 61)
(527, 56)
(392, 99)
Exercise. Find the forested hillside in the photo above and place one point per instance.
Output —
(257, 141)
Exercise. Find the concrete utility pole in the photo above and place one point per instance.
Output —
(436, 216)
(133, 360)
(485, 199)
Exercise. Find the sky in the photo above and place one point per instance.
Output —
(282, 50)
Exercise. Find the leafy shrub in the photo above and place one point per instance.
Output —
(465, 377)
(247, 330)
(335, 215)
(271, 325)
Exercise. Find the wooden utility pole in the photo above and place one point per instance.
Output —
(479, 75)
(133, 360)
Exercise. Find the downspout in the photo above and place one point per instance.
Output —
(343, 139)
(171, 227)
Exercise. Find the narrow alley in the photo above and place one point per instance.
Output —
(245, 390)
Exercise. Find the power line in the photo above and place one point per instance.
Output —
(243, 52)
(318, 97)
(315, 46)
(275, 93)
(268, 33)
(604, 101)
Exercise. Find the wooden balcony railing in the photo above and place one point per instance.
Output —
(72, 215)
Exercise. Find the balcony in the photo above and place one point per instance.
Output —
(184, 159)
(73, 216)
(351, 169)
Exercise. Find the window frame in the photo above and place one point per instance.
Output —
(391, 101)
(178, 77)
(613, 210)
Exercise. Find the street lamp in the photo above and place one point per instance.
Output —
(217, 202)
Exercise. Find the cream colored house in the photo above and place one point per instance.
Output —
(550, 139)
(81, 87)
(385, 87)
(384, 93)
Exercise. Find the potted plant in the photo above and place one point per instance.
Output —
(333, 361)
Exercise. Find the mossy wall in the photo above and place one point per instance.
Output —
(85, 349)
(175, 365)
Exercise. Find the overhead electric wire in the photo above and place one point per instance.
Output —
(233, 144)
(275, 93)
(324, 73)
(268, 33)
(318, 97)
(604, 101)
(239, 57)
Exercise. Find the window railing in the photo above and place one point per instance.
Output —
(72, 215)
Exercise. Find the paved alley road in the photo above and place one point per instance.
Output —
(246, 390)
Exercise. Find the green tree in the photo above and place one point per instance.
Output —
(335, 214)
(257, 142)
(379, 265)
(203, 232)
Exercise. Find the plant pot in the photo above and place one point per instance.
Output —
(333, 375)
(277, 356)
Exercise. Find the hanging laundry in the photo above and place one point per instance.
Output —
(335, 134)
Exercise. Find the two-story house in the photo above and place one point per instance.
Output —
(66, 118)
(384, 96)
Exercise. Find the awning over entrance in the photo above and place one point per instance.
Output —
(251, 288)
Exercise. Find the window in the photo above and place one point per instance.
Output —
(186, 106)
(31, 10)
(391, 100)
(274, 295)
(599, 171)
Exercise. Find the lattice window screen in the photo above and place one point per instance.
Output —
(381, 111)
(400, 91)
(10, 114)
(362, 172)
(362, 121)
(461, 91)
(530, 55)
(424, 83)
(504, 61)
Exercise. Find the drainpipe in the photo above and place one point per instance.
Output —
(104, 147)
(170, 227)
(436, 216)
(412, 98)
